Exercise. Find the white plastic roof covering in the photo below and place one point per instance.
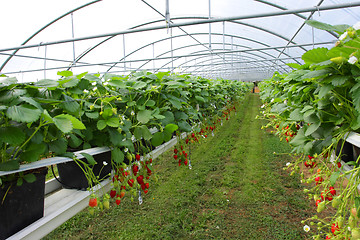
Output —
(246, 39)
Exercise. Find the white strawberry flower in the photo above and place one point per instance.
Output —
(306, 228)
(132, 113)
(287, 164)
(272, 100)
(356, 26)
(126, 150)
(105, 163)
(352, 60)
(343, 36)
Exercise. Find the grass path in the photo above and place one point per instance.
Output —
(235, 190)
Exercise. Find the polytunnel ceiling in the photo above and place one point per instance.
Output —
(239, 40)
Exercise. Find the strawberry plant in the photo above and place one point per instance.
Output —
(314, 108)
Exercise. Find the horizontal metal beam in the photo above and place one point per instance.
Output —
(212, 20)
(177, 57)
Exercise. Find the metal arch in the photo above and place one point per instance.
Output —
(213, 20)
(207, 60)
(218, 63)
(251, 16)
(228, 35)
(283, 8)
(44, 27)
(238, 62)
(192, 45)
(217, 49)
(210, 59)
(252, 26)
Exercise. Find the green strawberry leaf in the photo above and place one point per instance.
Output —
(24, 113)
(115, 137)
(146, 134)
(184, 126)
(157, 139)
(170, 128)
(90, 159)
(76, 123)
(316, 55)
(30, 178)
(113, 122)
(312, 128)
(62, 123)
(58, 146)
(46, 83)
(9, 165)
(144, 116)
(101, 124)
(334, 176)
(12, 135)
(65, 73)
(117, 155)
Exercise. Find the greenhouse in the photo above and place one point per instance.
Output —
(201, 119)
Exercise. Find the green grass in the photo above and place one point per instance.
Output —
(235, 190)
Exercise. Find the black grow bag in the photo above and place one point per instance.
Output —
(72, 177)
(22, 205)
(347, 152)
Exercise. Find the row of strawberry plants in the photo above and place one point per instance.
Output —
(314, 108)
(50, 117)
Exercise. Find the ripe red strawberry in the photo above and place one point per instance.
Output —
(140, 179)
(143, 187)
(186, 162)
(306, 164)
(339, 164)
(122, 194)
(205, 135)
(93, 202)
(137, 157)
(317, 202)
(175, 157)
(146, 191)
(112, 193)
(135, 169)
(175, 151)
(335, 228)
(147, 185)
(318, 180)
(118, 201)
(332, 191)
(187, 141)
(181, 147)
(123, 187)
(287, 127)
(131, 182)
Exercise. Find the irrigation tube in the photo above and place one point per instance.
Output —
(213, 20)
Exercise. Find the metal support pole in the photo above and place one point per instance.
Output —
(124, 51)
(209, 24)
(73, 35)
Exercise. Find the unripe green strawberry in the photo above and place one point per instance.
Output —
(336, 202)
(106, 204)
(351, 34)
(355, 233)
(338, 60)
(129, 156)
(91, 210)
(321, 207)
(352, 221)
(340, 221)
(114, 110)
